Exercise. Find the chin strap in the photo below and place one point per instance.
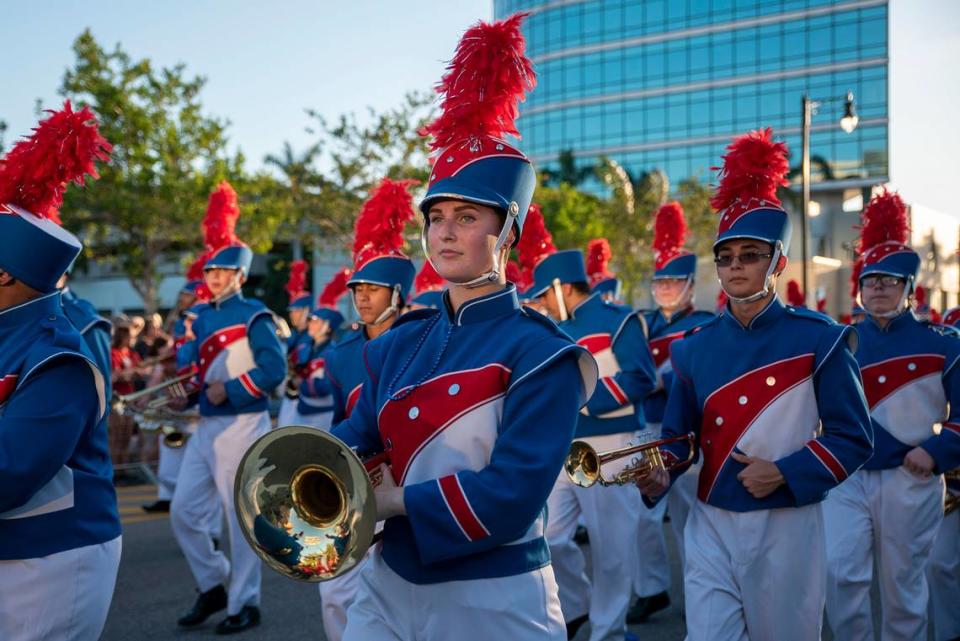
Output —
(768, 286)
(561, 306)
(493, 275)
(387, 313)
(232, 288)
(896, 311)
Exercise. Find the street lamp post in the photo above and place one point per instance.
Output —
(848, 123)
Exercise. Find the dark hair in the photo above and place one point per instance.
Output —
(121, 336)
(581, 287)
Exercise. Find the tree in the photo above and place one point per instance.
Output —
(168, 154)
(567, 171)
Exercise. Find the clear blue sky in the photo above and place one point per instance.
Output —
(266, 62)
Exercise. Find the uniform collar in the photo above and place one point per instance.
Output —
(590, 302)
(767, 316)
(676, 316)
(226, 301)
(32, 310)
(67, 293)
(897, 322)
(488, 307)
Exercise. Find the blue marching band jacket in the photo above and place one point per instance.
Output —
(345, 372)
(662, 332)
(912, 382)
(94, 328)
(236, 344)
(476, 431)
(316, 393)
(786, 388)
(615, 336)
(55, 467)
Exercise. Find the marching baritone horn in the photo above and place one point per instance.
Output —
(305, 503)
(583, 464)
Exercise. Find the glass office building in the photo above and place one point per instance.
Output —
(665, 84)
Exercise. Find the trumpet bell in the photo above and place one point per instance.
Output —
(582, 464)
(305, 503)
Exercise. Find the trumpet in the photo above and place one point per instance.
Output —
(305, 503)
(121, 401)
(951, 502)
(583, 463)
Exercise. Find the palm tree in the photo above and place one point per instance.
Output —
(300, 175)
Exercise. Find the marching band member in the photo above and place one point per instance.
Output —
(298, 344)
(476, 402)
(239, 359)
(94, 328)
(616, 336)
(780, 419)
(890, 510)
(315, 407)
(380, 283)
(674, 279)
(59, 529)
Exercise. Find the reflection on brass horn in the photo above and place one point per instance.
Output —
(305, 503)
(583, 464)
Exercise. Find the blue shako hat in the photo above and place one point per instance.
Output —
(63, 148)
(326, 308)
(884, 234)
(378, 237)
(565, 266)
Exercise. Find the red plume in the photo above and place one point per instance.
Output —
(379, 226)
(64, 148)
(795, 296)
(297, 283)
(220, 222)
(487, 78)
(195, 271)
(598, 257)
(935, 317)
(669, 228)
(427, 279)
(334, 289)
(536, 242)
(202, 293)
(514, 275)
(753, 167)
(883, 219)
(721, 300)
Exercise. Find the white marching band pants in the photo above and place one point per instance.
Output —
(754, 576)
(680, 500)
(336, 597)
(612, 518)
(320, 420)
(209, 468)
(168, 470)
(890, 516)
(652, 570)
(943, 574)
(63, 596)
(288, 411)
(523, 607)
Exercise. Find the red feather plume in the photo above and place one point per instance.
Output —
(379, 226)
(220, 222)
(427, 279)
(883, 219)
(202, 293)
(935, 317)
(598, 257)
(753, 167)
(297, 282)
(669, 228)
(334, 289)
(795, 295)
(64, 148)
(195, 271)
(514, 274)
(487, 78)
(536, 242)
(920, 295)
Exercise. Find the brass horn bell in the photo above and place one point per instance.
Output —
(583, 464)
(305, 503)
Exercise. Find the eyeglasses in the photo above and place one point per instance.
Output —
(746, 258)
(885, 281)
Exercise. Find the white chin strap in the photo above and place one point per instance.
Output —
(768, 287)
(899, 309)
(684, 298)
(387, 313)
(561, 306)
(493, 275)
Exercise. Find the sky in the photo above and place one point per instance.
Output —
(267, 62)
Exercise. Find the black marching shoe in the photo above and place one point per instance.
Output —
(213, 600)
(248, 617)
(645, 606)
(156, 506)
(575, 625)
